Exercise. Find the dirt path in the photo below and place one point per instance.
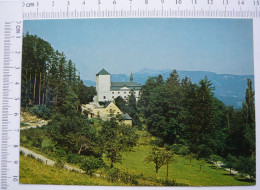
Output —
(31, 121)
(234, 172)
(220, 165)
(31, 125)
(48, 161)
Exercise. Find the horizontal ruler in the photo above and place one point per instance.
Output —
(62, 9)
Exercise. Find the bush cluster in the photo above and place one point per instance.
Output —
(116, 174)
(167, 182)
(41, 111)
(90, 164)
(60, 163)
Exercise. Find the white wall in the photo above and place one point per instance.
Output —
(124, 94)
(103, 90)
(103, 87)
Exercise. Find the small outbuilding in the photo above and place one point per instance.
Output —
(126, 119)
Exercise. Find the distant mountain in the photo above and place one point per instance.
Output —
(230, 89)
(89, 83)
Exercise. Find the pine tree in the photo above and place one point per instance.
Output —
(174, 78)
(132, 110)
(249, 117)
(121, 104)
(203, 119)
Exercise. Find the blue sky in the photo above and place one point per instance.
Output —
(130, 45)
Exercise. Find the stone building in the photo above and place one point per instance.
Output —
(108, 91)
(106, 112)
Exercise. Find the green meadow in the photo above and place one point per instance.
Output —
(180, 170)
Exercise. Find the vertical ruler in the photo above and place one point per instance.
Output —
(10, 79)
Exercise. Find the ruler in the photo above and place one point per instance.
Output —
(13, 13)
(50, 9)
(11, 51)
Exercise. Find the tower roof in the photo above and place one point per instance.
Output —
(131, 77)
(103, 72)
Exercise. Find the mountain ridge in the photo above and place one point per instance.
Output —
(230, 88)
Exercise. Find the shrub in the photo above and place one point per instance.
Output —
(180, 149)
(134, 179)
(42, 111)
(60, 163)
(116, 174)
(168, 182)
(157, 142)
(22, 153)
(39, 160)
(113, 174)
(91, 164)
(31, 156)
(33, 137)
(47, 144)
(230, 162)
(23, 138)
(246, 166)
(75, 158)
(128, 178)
(60, 153)
(215, 158)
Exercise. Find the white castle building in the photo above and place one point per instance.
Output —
(108, 91)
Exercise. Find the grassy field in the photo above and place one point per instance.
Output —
(134, 163)
(34, 172)
(180, 169)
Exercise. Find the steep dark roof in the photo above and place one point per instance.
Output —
(126, 117)
(103, 72)
(107, 103)
(119, 85)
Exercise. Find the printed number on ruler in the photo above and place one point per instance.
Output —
(51, 9)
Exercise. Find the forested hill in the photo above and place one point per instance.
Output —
(49, 79)
(230, 89)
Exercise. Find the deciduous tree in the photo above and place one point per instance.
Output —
(159, 157)
(116, 138)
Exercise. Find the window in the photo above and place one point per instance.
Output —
(104, 97)
(112, 92)
(118, 92)
(124, 96)
(125, 92)
(112, 96)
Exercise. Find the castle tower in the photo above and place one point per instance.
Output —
(103, 85)
(131, 78)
